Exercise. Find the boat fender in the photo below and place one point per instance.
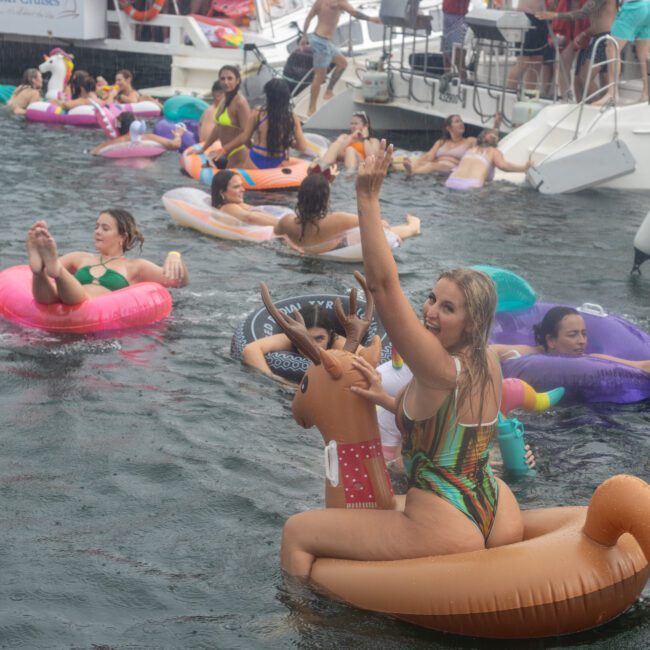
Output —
(642, 244)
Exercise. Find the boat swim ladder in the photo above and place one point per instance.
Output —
(596, 164)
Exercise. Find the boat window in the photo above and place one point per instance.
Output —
(350, 31)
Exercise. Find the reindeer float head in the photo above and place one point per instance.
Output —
(355, 468)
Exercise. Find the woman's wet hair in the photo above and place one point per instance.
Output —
(220, 182)
(124, 121)
(480, 297)
(231, 94)
(126, 226)
(313, 201)
(76, 82)
(88, 84)
(28, 77)
(481, 141)
(447, 124)
(550, 324)
(363, 116)
(127, 74)
(281, 126)
(316, 315)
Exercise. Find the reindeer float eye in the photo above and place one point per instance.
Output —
(303, 384)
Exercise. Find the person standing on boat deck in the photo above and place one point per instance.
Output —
(454, 29)
(601, 15)
(528, 68)
(327, 13)
(631, 24)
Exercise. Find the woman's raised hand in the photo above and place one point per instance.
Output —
(372, 171)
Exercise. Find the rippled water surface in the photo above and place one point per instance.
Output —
(145, 477)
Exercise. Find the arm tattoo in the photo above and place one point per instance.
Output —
(591, 8)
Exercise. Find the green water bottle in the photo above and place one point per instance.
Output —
(511, 443)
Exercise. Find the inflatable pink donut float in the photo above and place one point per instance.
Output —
(134, 306)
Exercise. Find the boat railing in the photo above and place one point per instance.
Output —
(586, 98)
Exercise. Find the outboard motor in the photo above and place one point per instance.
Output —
(642, 245)
(298, 70)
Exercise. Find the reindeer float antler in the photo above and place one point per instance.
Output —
(294, 327)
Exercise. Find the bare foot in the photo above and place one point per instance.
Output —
(328, 95)
(33, 256)
(643, 99)
(604, 100)
(414, 222)
(46, 247)
(408, 166)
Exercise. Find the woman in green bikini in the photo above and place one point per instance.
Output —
(78, 276)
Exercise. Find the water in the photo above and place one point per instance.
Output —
(145, 477)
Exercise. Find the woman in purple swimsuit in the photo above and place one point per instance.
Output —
(272, 129)
(445, 154)
(477, 165)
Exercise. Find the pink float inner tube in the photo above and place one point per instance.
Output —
(134, 306)
(139, 149)
(585, 378)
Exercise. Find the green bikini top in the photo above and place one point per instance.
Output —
(111, 280)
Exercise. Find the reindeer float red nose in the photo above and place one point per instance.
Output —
(356, 472)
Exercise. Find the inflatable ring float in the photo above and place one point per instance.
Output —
(142, 16)
(191, 208)
(575, 569)
(292, 365)
(141, 149)
(287, 177)
(184, 107)
(136, 305)
(585, 378)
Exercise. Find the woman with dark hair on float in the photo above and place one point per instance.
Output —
(314, 229)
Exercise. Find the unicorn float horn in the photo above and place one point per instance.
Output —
(518, 394)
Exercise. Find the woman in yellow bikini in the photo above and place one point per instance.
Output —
(231, 117)
(79, 276)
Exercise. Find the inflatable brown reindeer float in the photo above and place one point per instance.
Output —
(356, 472)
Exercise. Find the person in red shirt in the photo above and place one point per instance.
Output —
(454, 29)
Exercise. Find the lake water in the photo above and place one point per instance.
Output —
(145, 476)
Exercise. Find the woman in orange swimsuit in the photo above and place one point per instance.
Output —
(447, 415)
(352, 147)
(445, 154)
(80, 275)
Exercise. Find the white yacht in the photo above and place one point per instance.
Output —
(171, 53)
(420, 95)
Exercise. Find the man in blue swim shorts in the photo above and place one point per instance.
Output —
(328, 13)
(632, 25)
